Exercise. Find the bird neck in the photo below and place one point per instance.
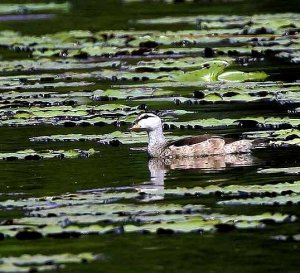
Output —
(157, 142)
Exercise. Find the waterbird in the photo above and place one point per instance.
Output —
(196, 146)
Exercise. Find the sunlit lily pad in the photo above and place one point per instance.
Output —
(47, 154)
(233, 190)
(64, 200)
(28, 263)
(278, 138)
(101, 212)
(48, 64)
(34, 7)
(67, 115)
(272, 22)
(239, 76)
(289, 170)
(132, 94)
(114, 138)
(295, 237)
(261, 122)
(132, 218)
(270, 201)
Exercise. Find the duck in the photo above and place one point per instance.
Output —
(189, 147)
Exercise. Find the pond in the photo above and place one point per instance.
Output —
(77, 189)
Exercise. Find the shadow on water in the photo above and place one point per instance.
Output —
(159, 168)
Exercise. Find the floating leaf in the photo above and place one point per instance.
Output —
(261, 122)
(47, 154)
(210, 72)
(289, 170)
(27, 263)
(238, 76)
(233, 190)
(66, 115)
(278, 138)
(43, 64)
(34, 7)
(270, 201)
(115, 138)
(132, 94)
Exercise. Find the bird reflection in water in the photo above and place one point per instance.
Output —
(159, 167)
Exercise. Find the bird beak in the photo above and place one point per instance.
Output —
(135, 128)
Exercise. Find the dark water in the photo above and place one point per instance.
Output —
(236, 251)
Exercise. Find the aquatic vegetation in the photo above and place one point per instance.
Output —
(247, 122)
(70, 93)
(99, 213)
(234, 190)
(270, 201)
(278, 138)
(30, 154)
(34, 7)
(28, 263)
(115, 138)
(290, 170)
(49, 64)
(275, 22)
(67, 115)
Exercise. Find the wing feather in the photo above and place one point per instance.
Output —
(198, 139)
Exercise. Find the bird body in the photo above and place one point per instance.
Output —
(198, 146)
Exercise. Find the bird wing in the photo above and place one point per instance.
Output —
(198, 139)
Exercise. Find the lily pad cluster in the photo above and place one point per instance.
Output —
(83, 115)
(33, 7)
(267, 195)
(44, 64)
(101, 212)
(281, 94)
(273, 21)
(295, 237)
(17, 99)
(281, 138)
(186, 67)
(98, 78)
(235, 36)
(30, 154)
(39, 262)
(115, 138)
(247, 122)
(235, 190)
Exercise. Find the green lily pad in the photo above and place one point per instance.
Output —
(273, 23)
(233, 190)
(44, 64)
(295, 237)
(114, 138)
(278, 138)
(209, 72)
(269, 201)
(132, 218)
(64, 200)
(170, 64)
(238, 76)
(47, 154)
(27, 263)
(34, 7)
(289, 170)
(260, 122)
(132, 94)
(100, 212)
(66, 115)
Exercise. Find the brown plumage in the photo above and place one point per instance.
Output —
(197, 146)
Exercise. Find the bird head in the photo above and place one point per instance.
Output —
(146, 122)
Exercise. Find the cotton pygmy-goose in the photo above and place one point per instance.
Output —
(198, 146)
